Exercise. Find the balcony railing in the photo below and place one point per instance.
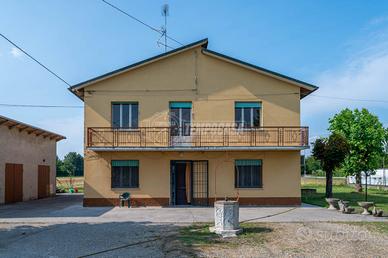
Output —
(196, 137)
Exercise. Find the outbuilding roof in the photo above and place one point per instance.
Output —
(306, 88)
(14, 124)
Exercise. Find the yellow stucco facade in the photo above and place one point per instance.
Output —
(212, 85)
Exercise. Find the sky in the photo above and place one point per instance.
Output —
(340, 46)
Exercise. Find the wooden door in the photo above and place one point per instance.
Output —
(43, 181)
(13, 183)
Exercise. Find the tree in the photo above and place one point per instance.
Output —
(72, 165)
(60, 170)
(331, 152)
(364, 134)
(312, 165)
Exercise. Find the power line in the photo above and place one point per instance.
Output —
(140, 21)
(34, 59)
(37, 106)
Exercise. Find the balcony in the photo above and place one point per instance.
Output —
(197, 138)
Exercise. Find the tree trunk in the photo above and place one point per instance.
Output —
(358, 185)
(329, 184)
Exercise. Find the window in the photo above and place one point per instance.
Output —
(247, 114)
(125, 174)
(248, 173)
(180, 118)
(125, 115)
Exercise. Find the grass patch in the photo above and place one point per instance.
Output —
(199, 235)
(343, 192)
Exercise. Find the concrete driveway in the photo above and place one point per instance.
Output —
(61, 227)
(68, 209)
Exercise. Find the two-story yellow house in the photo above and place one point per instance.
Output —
(191, 126)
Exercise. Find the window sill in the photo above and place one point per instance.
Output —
(126, 129)
(249, 188)
(124, 188)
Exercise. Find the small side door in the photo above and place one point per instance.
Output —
(43, 181)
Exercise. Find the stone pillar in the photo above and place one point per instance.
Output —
(226, 216)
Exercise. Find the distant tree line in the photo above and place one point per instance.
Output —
(71, 165)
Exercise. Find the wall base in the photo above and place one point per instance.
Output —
(160, 201)
(135, 202)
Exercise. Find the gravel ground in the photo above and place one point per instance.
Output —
(61, 227)
(312, 239)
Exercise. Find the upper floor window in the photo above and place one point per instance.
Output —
(247, 114)
(125, 115)
(180, 118)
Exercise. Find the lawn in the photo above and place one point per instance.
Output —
(344, 192)
(199, 235)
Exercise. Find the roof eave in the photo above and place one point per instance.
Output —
(310, 87)
(77, 87)
(26, 127)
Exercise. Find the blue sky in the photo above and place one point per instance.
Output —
(341, 46)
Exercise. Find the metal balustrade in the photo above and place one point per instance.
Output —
(195, 136)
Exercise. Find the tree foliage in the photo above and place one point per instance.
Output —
(331, 152)
(365, 135)
(72, 165)
(312, 165)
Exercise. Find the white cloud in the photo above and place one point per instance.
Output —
(16, 52)
(363, 76)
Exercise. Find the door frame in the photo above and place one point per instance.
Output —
(173, 181)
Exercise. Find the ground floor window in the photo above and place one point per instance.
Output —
(125, 174)
(248, 173)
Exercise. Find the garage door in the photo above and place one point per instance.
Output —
(43, 181)
(13, 183)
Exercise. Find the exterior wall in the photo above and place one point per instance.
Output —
(211, 84)
(281, 177)
(31, 151)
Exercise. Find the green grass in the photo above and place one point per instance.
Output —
(199, 235)
(347, 193)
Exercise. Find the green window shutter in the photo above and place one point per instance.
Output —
(248, 105)
(180, 104)
(248, 162)
(125, 163)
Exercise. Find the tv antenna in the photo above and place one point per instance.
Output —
(165, 13)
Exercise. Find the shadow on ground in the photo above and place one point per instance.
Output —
(117, 239)
(126, 239)
(59, 206)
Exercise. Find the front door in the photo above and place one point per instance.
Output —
(180, 183)
(189, 182)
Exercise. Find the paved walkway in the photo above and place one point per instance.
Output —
(68, 209)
